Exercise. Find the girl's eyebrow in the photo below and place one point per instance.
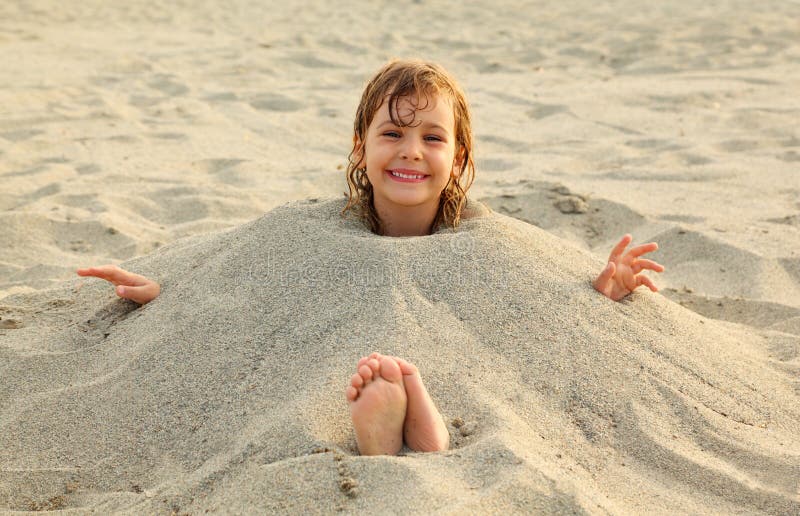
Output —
(433, 125)
(386, 122)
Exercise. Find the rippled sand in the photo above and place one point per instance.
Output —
(127, 127)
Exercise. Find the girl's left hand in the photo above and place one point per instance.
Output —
(623, 273)
(127, 285)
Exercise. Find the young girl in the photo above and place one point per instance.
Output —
(409, 172)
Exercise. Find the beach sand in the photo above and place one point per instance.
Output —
(158, 137)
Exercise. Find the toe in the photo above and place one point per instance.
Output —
(405, 366)
(362, 361)
(351, 393)
(390, 370)
(356, 381)
(366, 373)
(375, 366)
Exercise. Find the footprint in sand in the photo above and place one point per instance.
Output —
(169, 136)
(166, 85)
(88, 169)
(275, 102)
(95, 237)
(739, 145)
(10, 324)
(101, 324)
(654, 144)
(513, 99)
(20, 135)
(494, 164)
(792, 265)
(176, 206)
(144, 101)
(555, 208)
(218, 165)
(310, 61)
(789, 220)
(684, 219)
(223, 96)
(508, 143)
(540, 111)
(789, 156)
(708, 264)
(45, 191)
(695, 159)
(760, 314)
(89, 202)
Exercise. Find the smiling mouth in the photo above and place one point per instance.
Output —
(407, 174)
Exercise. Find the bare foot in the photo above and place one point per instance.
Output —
(424, 429)
(378, 405)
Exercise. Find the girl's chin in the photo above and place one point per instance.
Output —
(408, 200)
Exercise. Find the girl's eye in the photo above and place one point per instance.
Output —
(433, 138)
(392, 134)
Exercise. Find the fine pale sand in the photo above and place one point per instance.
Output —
(125, 128)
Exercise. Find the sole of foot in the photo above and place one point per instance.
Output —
(378, 405)
(424, 429)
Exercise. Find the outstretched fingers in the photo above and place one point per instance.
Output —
(605, 277)
(643, 263)
(140, 294)
(616, 253)
(639, 250)
(622, 274)
(647, 282)
(128, 285)
(114, 274)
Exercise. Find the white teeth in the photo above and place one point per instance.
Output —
(406, 176)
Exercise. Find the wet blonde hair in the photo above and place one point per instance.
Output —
(410, 78)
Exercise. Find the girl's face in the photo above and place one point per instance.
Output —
(410, 166)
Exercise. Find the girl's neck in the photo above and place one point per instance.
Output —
(404, 221)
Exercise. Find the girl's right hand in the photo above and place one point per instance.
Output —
(128, 285)
(622, 275)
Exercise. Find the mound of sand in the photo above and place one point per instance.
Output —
(227, 392)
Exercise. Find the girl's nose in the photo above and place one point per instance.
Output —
(411, 150)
